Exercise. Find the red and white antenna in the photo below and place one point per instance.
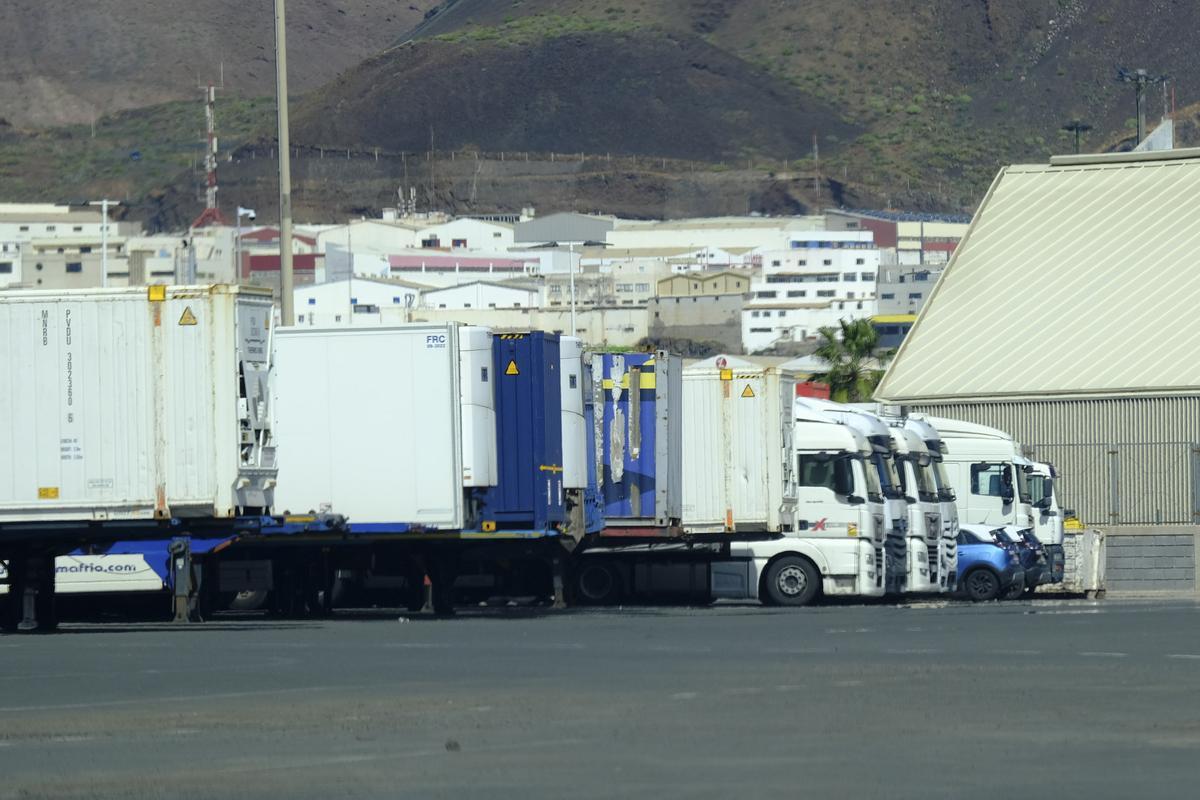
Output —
(211, 213)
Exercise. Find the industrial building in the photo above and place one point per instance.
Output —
(1067, 317)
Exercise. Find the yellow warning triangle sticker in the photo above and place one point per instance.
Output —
(188, 317)
(511, 369)
(747, 392)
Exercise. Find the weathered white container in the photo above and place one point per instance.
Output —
(387, 425)
(736, 445)
(135, 403)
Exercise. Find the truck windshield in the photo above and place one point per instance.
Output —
(874, 490)
(887, 476)
(943, 482)
(1040, 486)
(1022, 484)
(925, 485)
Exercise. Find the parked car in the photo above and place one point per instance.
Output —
(1035, 560)
(989, 563)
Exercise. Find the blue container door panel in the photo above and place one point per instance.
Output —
(528, 492)
(629, 491)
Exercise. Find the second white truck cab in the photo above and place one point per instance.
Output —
(947, 507)
(926, 570)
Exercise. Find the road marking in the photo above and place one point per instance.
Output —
(173, 699)
(1102, 654)
(1190, 656)
(684, 696)
(1014, 652)
(911, 651)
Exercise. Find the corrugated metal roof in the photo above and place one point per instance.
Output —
(1075, 279)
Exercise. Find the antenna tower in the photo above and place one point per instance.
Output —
(211, 213)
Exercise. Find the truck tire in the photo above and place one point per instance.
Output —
(790, 581)
(598, 584)
(981, 585)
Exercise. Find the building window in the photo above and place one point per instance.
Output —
(802, 262)
(767, 295)
(23, 228)
(78, 229)
(496, 235)
(491, 305)
(74, 266)
(466, 305)
(85, 249)
(337, 318)
(860, 261)
(849, 295)
(441, 305)
(849, 276)
(760, 330)
(825, 293)
(827, 262)
(50, 229)
(312, 301)
(643, 287)
(775, 263)
(841, 306)
(914, 295)
(922, 276)
(299, 318)
(867, 276)
(395, 301)
(353, 301)
(458, 242)
(780, 313)
(860, 305)
(434, 242)
(797, 293)
(851, 226)
(38, 267)
(754, 314)
(887, 296)
(6, 268)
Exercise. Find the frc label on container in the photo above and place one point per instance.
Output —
(435, 341)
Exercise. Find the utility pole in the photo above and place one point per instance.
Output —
(1140, 80)
(1077, 127)
(286, 292)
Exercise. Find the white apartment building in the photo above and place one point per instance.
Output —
(717, 233)
(49, 246)
(822, 277)
(482, 294)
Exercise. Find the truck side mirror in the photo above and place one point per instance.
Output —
(855, 500)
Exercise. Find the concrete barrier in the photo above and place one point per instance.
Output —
(1152, 559)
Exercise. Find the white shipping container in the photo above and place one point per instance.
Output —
(135, 403)
(736, 446)
(369, 422)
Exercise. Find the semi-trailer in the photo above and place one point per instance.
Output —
(143, 415)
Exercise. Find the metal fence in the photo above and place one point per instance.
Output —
(1128, 484)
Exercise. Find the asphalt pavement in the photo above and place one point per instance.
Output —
(1021, 700)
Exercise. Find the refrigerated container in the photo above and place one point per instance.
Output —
(135, 404)
(638, 439)
(737, 458)
(390, 426)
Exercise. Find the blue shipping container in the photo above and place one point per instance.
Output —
(640, 462)
(528, 494)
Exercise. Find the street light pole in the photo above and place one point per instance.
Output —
(287, 298)
(104, 237)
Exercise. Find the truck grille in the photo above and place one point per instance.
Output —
(933, 565)
(879, 566)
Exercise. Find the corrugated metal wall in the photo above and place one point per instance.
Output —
(1123, 461)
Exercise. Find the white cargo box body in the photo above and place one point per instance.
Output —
(369, 422)
(736, 446)
(135, 403)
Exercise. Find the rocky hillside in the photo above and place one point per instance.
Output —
(912, 104)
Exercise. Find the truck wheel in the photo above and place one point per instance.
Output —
(1029, 590)
(981, 585)
(1014, 591)
(598, 584)
(791, 581)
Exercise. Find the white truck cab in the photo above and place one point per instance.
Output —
(986, 473)
(883, 460)
(926, 571)
(1048, 516)
(948, 509)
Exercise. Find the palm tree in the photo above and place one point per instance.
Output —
(855, 363)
